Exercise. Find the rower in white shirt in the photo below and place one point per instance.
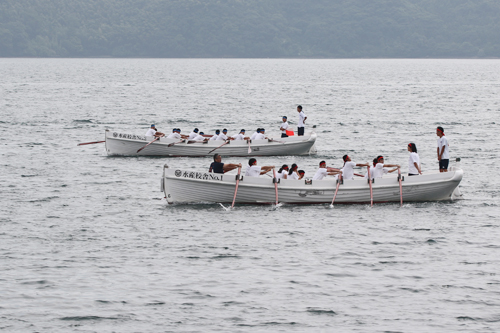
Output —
(240, 136)
(261, 135)
(222, 136)
(282, 172)
(255, 134)
(215, 136)
(176, 134)
(153, 132)
(193, 134)
(200, 137)
(293, 172)
(348, 169)
(253, 170)
(379, 169)
(323, 171)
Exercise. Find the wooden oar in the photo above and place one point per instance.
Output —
(174, 143)
(218, 147)
(148, 144)
(371, 190)
(272, 140)
(339, 180)
(89, 143)
(236, 188)
(275, 181)
(400, 188)
(249, 148)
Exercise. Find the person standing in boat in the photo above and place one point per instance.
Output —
(153, 132)
(443, 153)
(323, 171)
(240, 136)
(348, 169)
(379, 168)
(193, 134)
(414, 161)
(302, 121)
(215, 136)
(284, 127)
(218, 167)
(253, 170)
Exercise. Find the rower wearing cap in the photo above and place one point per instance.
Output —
(223, 135)
(153, 132)
(176, 134)
(261, 135)
(255, 134)
(218, 167)
(323, 171)
(193, 134)
(240, 136)
(215, 136)
(200, 137)
(255, 171)
(348, 169)
(284, 127)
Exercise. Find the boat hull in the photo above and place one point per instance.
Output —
(119, 144)
(183, 186)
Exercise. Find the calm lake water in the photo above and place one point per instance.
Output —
(88, 243)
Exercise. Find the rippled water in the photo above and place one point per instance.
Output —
(88, 244)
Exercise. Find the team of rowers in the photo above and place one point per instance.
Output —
(377, 170)
(196, 135)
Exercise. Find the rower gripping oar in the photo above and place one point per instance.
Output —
(89, 143)
(174, 143)
(148, 144)
(218, 147)
(236, 188)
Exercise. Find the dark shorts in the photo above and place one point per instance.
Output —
(443, 164)
(284, 135)
(300, 131)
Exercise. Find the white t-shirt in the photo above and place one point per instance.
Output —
(198, 138)
(192, 135)
(371, 173)
(222, 136)
(150, 132)
(253, 136)
(259, 136)
(284, 125)
(320, 174)
(253, 171)
(239, 136)
(413, 159)
(348, 170)
(281, 174)
(294, 175)
(174, 136)
(443, 141)
(302, 115)
(378, 171)
(214, 137)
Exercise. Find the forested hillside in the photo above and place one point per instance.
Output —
(250, 28)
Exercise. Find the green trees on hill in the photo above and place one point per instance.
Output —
(249, 28)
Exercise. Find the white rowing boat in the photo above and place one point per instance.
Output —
(187, 186)
(121, 144)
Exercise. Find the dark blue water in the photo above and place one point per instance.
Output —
(88, 244)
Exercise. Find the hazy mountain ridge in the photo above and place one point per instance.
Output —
(253, 28)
